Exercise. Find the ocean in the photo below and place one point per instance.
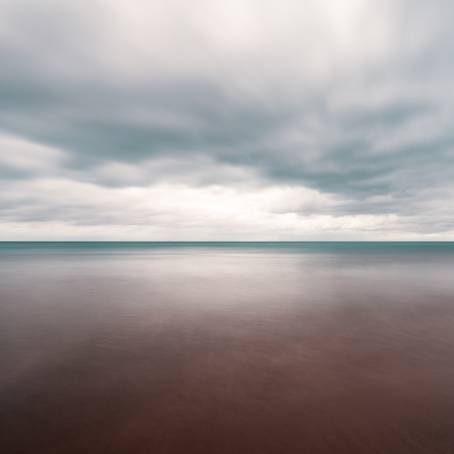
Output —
(227, 347)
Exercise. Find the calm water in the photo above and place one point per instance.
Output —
(227, 348)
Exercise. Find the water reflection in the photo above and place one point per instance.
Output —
(214, 350)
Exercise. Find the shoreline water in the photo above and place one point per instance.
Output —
(303, 348)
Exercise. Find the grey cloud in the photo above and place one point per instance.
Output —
(344, 118)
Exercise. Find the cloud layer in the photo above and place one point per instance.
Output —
(215, 120)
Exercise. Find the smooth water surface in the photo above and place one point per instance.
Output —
(227, 348)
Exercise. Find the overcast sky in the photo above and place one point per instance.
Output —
(226, 119)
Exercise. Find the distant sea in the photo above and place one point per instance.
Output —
(227, 347)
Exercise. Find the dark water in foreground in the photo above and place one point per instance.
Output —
(227, 348)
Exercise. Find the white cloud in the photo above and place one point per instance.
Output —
(52, 208)
(20, 155)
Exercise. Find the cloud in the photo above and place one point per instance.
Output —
(175, 212)
(349, 102)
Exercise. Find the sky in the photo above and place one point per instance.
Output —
(226, 120)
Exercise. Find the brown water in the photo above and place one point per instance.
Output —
(226, 349)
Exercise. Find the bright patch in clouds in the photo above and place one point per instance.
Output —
(181, 212)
